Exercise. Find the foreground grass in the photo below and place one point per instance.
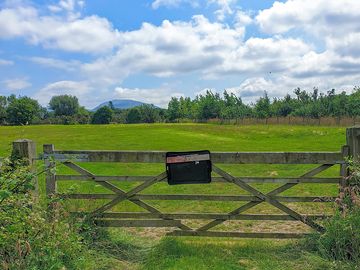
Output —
(121, 250)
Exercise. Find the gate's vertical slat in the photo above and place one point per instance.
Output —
(50, 166)
(344, 172)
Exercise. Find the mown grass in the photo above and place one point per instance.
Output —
(198, 253)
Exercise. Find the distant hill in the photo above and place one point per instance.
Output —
(120, 104)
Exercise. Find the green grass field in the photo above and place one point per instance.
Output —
(197, 253)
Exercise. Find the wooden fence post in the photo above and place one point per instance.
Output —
(353, 141)
(353, 147)
(26, 150)
(50, 167)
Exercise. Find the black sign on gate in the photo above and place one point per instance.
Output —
(192, 167)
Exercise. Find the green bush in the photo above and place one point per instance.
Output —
(341, 240)
(30, 238)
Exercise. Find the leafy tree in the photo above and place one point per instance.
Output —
(3, 105)
(133, 116)
(262, 107)
(149, 113)
(83, 116)
(22, 111)
(209, 106)
(173, 111)
(354, 103)
(64, 105)
(102, 116)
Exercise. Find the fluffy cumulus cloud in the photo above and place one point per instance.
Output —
(79, 89)
(333, 23)
(320, 16)
(91, 34)
(169, 49)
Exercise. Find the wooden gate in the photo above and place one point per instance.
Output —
(152, 217)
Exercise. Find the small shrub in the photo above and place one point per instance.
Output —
(341, 240)
(29, 238)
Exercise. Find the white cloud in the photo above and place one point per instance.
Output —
(80, 89)
(259, 56)
(169, 49)
(6, 62)
(225, 8)
(159, 97)
(90, 34)
(16, 84)
(70, 7)
(321, 16)
(242, 18)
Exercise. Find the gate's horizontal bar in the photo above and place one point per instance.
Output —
(237, 234)
(217, 157)
(114, 215)
(175, 197)
(137, 223)
(101, 178)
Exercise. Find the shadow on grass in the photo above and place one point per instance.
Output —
(227, 254)
(190, 253)
(119, 245)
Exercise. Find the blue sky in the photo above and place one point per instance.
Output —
(152, 50)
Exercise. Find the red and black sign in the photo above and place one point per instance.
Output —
(188, 167)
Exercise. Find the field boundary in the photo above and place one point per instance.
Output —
(152, 217)
(287, 120)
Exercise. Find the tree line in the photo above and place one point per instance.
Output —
(312, 104)
(65, 109)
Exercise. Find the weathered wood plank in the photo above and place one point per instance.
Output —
(136, 223)
(144, 215)
(237, 234)
(102, 178)
(50, 175)
(217, 157)
(186, 197)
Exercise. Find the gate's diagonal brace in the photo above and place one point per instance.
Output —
(127, 195)
(276, 191)
(122, 193)
(267, 198)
